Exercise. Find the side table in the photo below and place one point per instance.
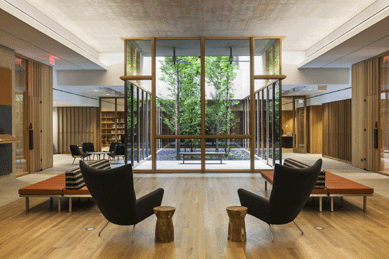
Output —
(164, 230)
(236, 224)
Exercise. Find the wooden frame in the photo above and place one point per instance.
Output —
(249, 135)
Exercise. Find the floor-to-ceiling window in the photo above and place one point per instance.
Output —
(210, 104)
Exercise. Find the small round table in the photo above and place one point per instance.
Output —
(236, 224)
(164, 230)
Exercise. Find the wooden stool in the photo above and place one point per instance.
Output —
(164, 230)
(236, 225)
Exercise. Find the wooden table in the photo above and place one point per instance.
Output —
(236, 224)
(164, 230)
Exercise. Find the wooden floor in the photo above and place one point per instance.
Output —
(200, 225)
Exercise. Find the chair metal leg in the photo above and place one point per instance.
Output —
(302, 233)
(271, 233)
(103, 228)
(133, 234)
(73, 161)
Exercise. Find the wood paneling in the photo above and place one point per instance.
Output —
(287, 122)
(5, 86)
(315, 129)
(40, 115)
(77, 125)
(337, 130)
(365, 107)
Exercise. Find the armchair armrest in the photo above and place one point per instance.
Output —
(145, 205)
(256, 205)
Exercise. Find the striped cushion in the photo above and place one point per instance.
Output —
(321, 181)
(74, 179)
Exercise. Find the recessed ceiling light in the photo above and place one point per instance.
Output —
(96, 90)
(90, 229)
(319, 228)
(107, 94)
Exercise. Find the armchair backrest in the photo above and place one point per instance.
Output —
(75, 150)
(88, 147)
(112, 146)
(113, 191)
(291, 190)
(120, 149)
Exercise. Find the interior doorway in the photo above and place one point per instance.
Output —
(300, 134)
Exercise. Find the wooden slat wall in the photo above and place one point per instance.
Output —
(337, 130)
(287, 120)
(40, 115)
(77, 125)
(365, 106)
(315, 129)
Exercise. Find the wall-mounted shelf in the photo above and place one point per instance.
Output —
(6, 139)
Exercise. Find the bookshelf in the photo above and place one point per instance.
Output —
(112, 121)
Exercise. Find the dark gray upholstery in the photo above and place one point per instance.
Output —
(114, 194)
(291, 189)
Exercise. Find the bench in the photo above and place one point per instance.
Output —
(70, 184)
(197, 154)
(54, 187)
(335, 186)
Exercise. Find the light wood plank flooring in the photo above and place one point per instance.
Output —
(200, 225)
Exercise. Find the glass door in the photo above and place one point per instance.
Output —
(299, 125)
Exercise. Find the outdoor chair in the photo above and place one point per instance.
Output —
(291, 190)
(88, 147)
(76, 153)
(113, 191)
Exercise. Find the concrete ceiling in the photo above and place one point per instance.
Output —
(34, 44)
(101, 23)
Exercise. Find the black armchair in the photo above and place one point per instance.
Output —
(118, 150)
(114, 194)
(88, 147)
(75, 150)
(291, 190)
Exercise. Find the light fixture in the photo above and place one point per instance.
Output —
(107, 94)
(90, 229)
(319, 228)
(96, 90)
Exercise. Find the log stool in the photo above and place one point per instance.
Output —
(236, 225)
(164, 230)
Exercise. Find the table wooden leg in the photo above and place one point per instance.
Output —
(364, 203)
(70, 204)
(332, 204)
(320, 203)
(27, 200)
(59, 204)
(265, 185)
